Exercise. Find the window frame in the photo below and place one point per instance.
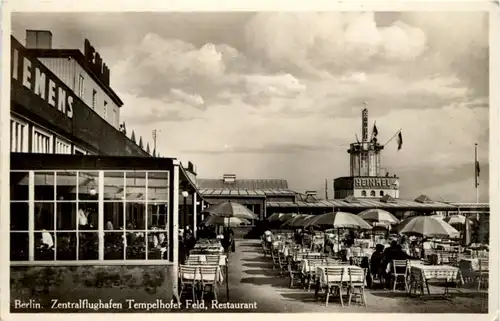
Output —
(81, 86)
(65, 142)
(43, 132)
(78, 149)
(25, 132)
(101, 215)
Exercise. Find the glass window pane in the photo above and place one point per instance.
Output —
(19, 216)
(66, 216)
(157, 245)
(88, 186)
(19, 186)
(136, 245)
(158, 186)
(66, 186)
(44, 186)
(88, 248)
(135, 216)
(113, 216)
(44, 246)
(157, 216)
(44, 216)
(88, 216)
(19, 243)
(114, 185)
(113, 245)
(66, 246)
(135, 186)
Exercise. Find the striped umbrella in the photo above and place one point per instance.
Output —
(275, 217)
(378, 215)
(292, 219)
(301, 221)
(339, 220)
(231, 209)
(426, 226)
(226, 221)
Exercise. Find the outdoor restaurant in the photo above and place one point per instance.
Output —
(339, 254)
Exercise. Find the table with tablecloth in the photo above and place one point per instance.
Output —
(202, 258)
(420, 274)
(299, 256)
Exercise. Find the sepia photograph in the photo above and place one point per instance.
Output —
(249, 162)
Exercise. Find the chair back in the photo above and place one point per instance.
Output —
(334, 274)
(209, 274)
(194, 260)
(400, 267)
(357, 276)
(331, 261)
(484, 265)
(188, 274)
(213, 259)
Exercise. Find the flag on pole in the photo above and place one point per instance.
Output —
(400, 141)
(375, 131)
(477, 169)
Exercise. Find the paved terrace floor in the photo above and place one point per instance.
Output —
(252, 279)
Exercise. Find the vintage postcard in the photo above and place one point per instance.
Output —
(329, 159)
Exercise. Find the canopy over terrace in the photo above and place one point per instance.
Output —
(356, 205)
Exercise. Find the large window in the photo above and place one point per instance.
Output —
(42, 141)
(18, 136)
(85, 215)
(80, 86)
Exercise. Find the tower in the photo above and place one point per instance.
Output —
(365, 155)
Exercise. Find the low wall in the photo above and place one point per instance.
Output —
(90, 288)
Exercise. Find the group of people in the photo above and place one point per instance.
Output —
(380, 260)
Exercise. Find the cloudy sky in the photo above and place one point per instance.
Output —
(279, 95)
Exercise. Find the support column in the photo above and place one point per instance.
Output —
(195, 207)
(202, 209)
(175, 226)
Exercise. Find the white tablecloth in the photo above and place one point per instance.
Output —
(203, 258)
(429, 272)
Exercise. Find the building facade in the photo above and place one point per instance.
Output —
(48, 116)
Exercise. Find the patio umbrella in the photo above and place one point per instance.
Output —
(339, 220)
(274, 217)
(286, 217)
(456, 219)
(292, 219)
(301, 221)
(426, 226)
(227, 210)
(231, 209)
(378, 215)
(225, 221)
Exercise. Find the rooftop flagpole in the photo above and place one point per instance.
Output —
(399, 131)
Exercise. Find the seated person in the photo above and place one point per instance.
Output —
(376, 260)
(394, 252)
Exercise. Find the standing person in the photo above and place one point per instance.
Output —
(268, 239)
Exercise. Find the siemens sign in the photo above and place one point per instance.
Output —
(33, 75)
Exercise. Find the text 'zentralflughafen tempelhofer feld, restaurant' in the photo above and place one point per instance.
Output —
(99, 222)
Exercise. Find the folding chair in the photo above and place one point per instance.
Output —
(194, 260)
(400, 271)
(209, 276)
(357, 278)
(294, 273)
(311, 276)
(334, 278)
(188, 276)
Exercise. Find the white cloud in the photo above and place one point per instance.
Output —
(273, 85)
(191, 99)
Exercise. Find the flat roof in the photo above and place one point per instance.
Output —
(224, 192)
(243, 183)
(367, 203)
